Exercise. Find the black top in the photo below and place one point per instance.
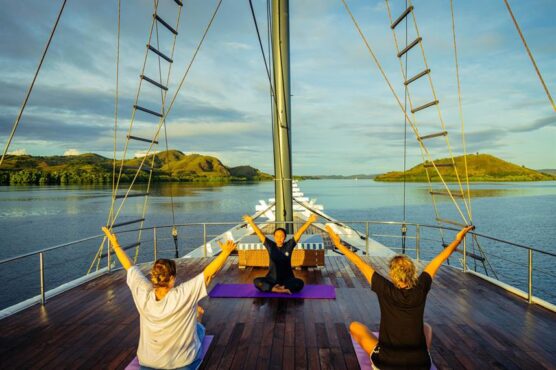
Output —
(401, 343)
(280, 259)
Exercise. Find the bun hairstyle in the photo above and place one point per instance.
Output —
(161, 273)
(403, 272)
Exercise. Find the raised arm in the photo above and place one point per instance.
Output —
(367, 270)
(304, 227)
(258, 231)
(126, 262)
(218, 262)
(437, 261)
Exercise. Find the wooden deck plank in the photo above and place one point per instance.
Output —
(475, 324)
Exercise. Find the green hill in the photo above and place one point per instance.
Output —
(481, 167)
(248, 172)
(90, 168)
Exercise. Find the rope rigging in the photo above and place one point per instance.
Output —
(173, 98)
(24, 104)
(474, 240)
(163, 94)
(188, 68)
(400, 105)
(161, 121)
(406, 92)
(548, 95)
(114, 214)
(404, 68)
(442, 123)
(467, 202)
(116, 103)
(460, 111)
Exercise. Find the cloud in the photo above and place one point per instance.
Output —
(340, 102)
(187, 129)
(201, 110)
(549, 121)
(36, 126)
(143, 153)
(71, 152)
(76, 99)
(18, 152)
(237, 46)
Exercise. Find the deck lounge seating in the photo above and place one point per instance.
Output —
(309, 252)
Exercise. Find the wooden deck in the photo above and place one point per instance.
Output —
(475, 325)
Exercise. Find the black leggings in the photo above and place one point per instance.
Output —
(265, 284)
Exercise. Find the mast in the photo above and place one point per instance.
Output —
(282, 114)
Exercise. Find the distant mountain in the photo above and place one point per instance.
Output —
(249, 173)
(481, 167)
(335, 177)
(90, 168)
(549, 171)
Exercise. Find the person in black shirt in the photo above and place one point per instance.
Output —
(404, 339)
(280, 278)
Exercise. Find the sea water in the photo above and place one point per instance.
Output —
(34, 218)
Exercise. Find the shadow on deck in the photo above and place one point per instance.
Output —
(475, 324)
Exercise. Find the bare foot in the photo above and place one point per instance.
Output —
(280, 289)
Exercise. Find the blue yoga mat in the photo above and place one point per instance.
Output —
(134, 364)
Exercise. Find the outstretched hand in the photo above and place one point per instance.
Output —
(437, 261)
(464, 231)
(111, 237)
(248, 219)
(312, 218)
(227, 247)
(120, 253)
(219, 261)
(335, 238)
(365, 268)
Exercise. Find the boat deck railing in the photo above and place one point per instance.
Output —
(518, 268)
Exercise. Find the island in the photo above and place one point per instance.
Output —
(90, 168)
(480, 168)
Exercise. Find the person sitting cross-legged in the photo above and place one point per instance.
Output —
(280, 278)
(170, 335)
(404, 339)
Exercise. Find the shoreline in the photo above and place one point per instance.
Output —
(203, 182)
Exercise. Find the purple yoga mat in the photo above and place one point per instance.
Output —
(249, 291)
(134, 364)
(364, 359)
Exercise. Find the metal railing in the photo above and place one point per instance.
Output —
(527, 293)
(412, 233)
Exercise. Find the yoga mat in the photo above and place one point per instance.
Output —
(364, 359)
(249, 291)
(134, 364)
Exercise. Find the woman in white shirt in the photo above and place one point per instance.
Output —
(170, 336)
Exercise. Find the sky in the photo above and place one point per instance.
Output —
(345, 120)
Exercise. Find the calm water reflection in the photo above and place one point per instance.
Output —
(32, 218)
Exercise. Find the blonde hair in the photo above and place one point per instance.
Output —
(162, 272)
(403, 272)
